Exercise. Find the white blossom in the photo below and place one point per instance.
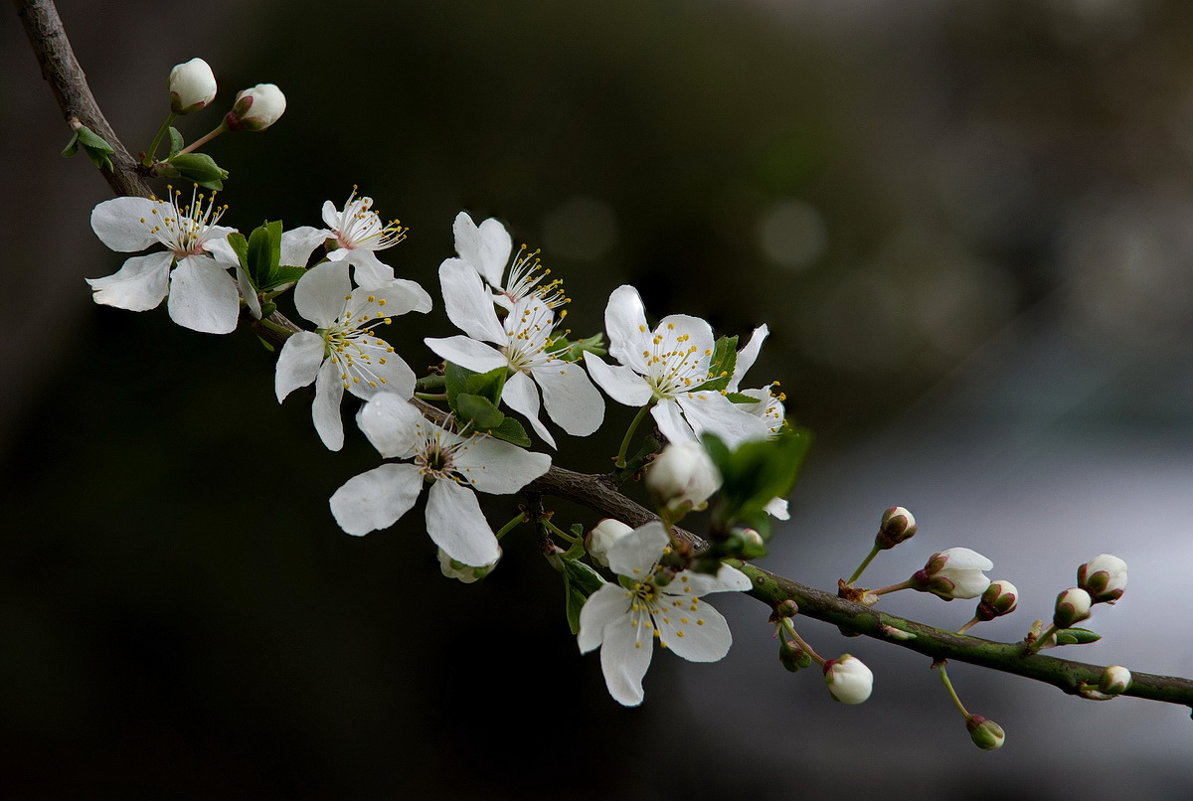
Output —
(256, 109)
(667, 367)
(523, 344)
(192, 86)
(682, 477)
(486, 248)
(953, 573)
(202, 294)
(849, 680)
(1072, 606)
(624, 620)
(344, 352)
(601, 539)
(356, 233)
(454, 465)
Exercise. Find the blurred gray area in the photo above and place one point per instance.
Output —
(968, 225)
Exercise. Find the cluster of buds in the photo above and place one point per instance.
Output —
(193, 87)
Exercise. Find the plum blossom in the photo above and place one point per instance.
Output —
(667, 367)
(849, 680)
(486, 248)
(953, 573)
(202, 294)
(344, 353)
(1104, 577)
(523, 344)
(453, 464)
(624, 620)
(256, 108)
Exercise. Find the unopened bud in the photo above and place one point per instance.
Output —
(897, 525)
(793, 657)
(1115, 679)
(601, 538)
(1072, 606)
(192, 86)
(849, 680)
(1000, 598)
(985, 733)
(256, 109)
(788, 608)
(953, 573)
(1104, 577)
(682, 478)
(462, 572)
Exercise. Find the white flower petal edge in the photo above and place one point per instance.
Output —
(624, 622)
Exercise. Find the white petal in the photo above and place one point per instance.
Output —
(391, 423)
(571, 399)
(698, 332)
(203, 296)
(705, 637)
(667, 417)
(712, 412)
(218, 248)
(777, 508)
(322, 292)
(625, 657)
(405, 295)
(620, 383)
(378, 370)
(468, 304)
(248, 292)
(368, 270)
(139, 285)
(476, 356)
(299, 243)
(118, 222)
(609, 604)
(325, 411)
(298, 363)
(376, 499)
(486, 248)
(635, 554)
(727, 579)
(625, 322)
(522, 396)
(457, 525)
(961, 558)
(498, 467)
(748, 355)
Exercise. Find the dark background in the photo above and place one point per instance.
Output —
(969, 226)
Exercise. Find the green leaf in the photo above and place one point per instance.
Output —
(512, 432)
(241, 246)
(461, 380)
(199, 168)
(176, 142)
(754, 474)
(284, 275)
(574, 350)
(264, 252)
(579, 582)
(720, 367)
(478, 410)
(90, 139)
(72, 146)
(741, 397)
(1076, 636)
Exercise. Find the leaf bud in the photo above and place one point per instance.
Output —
(682, 478)
(256, 109)
(1072, 606)
(1104, 577)
(985, 733)
(601, 539)
(849, 680)
(462, 572)
(1000, 598)
(953, 573)
(897, 525)
(192, 86)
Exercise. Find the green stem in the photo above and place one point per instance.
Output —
(151, 153)
(198, 143)
(789, 627)
(272, 326)
(557, 531)
(902, 585)
(511, 525)
(629, 434)
(865, 563)
(431, 396)
(948, 685)
(1038, 643)
(973, 622)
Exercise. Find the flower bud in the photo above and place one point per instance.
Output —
(256, 109)
(1072, 606)
(1115, 679)
(467, 574)
(792, 657)
(953, 573)
(897, 525)
(682, 478)
(985, 733)
(1104, 577)
(192, 86)
(849, 680)
(601, 539)
(1000, 598)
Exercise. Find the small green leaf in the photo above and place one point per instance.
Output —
(579, 582)
(574, 350)
(264, 252)
(176, 142)
(478, 410)
(239, 244)
(284, 275)
(754, 474)
(199, 168)
(512, 432)
(1076, 636)
(72, 146)
(720, 367)
(741, 397)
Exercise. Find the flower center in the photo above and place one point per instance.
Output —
(528, 328)
(182, 227)
(348, 342)
(436, 458)
(359, 227)
(673, 365)
(524, 282)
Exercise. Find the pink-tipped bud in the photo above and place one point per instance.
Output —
(192, 86)
(953, 573)
(256, 109)
(1104, 577)
(897, 525)
(1115, 679)
(1000, 598)
(1072, 606)
(849, 680)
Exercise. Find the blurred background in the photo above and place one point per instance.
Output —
(968, 223)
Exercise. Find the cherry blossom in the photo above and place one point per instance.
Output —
(486, 248)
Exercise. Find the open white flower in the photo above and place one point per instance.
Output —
(202, 294)
(667, 366)
(344, 353)
(358, 233)
(624, 621)
(451, 463)
(487, 248)
(523, 344)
